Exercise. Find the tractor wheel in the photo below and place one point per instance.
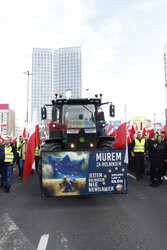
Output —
(106, 144)
(51, 146)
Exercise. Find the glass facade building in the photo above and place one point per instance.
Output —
(55, 71)
(165, 69)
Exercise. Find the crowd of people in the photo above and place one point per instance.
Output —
(14, 154)
(150, 156)
(145, 155)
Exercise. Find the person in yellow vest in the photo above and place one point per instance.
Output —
(37, 153)
(10, 158)
(19, 146)
(22, 157)
(138, 152)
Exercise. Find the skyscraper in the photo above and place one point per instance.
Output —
(55, 71)
(165, 68)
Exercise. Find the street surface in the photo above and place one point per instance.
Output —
(137, 220)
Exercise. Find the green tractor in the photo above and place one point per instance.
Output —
(78, 124)
(78, 158)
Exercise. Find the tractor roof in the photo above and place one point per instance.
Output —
(78, 101)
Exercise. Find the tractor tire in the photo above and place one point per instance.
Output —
(106, 144)
(52, 146)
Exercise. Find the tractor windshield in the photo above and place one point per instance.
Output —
(79, 116)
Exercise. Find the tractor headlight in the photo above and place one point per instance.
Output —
(72, 145)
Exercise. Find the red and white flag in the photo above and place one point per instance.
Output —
(26, 131)
(121, 136)
(131, 133)
(3, 125)
(147, 131)
(165, 129)
(33, 142)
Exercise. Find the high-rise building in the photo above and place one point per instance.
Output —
(165, 68)
(7, 120)
(55, 71)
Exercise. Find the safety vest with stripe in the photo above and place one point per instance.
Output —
(17, 145)
(36, 151)
(9, 156)
(139, 146)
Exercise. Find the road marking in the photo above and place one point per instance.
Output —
(64, 241)
(43, 242)
(11, 236)
(132, 176)
(14, 186)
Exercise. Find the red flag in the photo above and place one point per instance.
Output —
(121, 134)
(147, 131)
(24, 132)
(15, 140)
(141, 126)
(34, 141)
(3, 125)
(131, 133)
(165, 129)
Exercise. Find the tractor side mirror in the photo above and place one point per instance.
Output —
(43, 113)
(54, 114)
(112, 110)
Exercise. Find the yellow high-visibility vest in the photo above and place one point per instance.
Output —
(17, 145)
(36, 151)
(139, 146)
(9, 156)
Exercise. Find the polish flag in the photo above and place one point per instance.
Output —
(26, 131)
(3, 125)
(141, 126)
(33, 142)
(165, 129)
(148, 131)
(131, 133)
(121, 135)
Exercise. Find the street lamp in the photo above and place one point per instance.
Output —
(28, 75)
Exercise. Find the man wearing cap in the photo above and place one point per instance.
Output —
(138, 152)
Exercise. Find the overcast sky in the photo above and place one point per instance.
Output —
(122, 48)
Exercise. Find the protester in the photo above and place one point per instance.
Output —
(2, 157)
(19, 146)
(6, 170)
(165, 165)
(162, 155)
(138, 152)
(37, 152)
(23, 156)
(146, 157)
(155, 165)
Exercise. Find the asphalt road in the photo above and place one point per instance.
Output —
(137, 220)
